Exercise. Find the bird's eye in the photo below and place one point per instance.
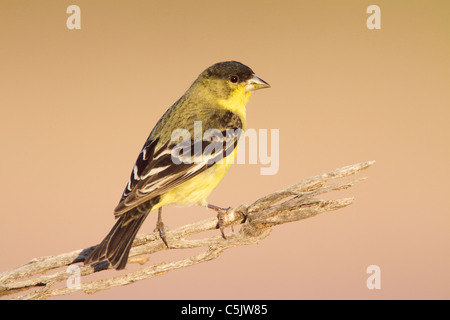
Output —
(234, 79)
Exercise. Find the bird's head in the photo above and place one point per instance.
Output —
(230, 80)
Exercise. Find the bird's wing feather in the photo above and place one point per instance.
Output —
(158, 171)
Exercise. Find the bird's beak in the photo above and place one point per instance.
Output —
(256, 83)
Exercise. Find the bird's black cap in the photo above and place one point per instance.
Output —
(224, 70)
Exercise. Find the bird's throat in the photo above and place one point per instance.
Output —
(236, 103)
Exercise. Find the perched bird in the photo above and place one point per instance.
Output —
(178, 170)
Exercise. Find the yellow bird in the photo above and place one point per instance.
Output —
(185, 156)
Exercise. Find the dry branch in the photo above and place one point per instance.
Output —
(294, 203)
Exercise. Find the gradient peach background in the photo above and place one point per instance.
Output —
(76, 107)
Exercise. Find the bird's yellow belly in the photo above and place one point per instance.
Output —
(195, 191)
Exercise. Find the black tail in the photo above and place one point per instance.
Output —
(116, 246)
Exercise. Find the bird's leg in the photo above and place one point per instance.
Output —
(221, 212)
(161, 228)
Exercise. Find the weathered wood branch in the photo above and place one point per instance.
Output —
(294, 203)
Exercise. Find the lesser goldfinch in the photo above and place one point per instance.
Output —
(161, 176)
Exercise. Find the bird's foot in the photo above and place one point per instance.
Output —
(221, 213)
